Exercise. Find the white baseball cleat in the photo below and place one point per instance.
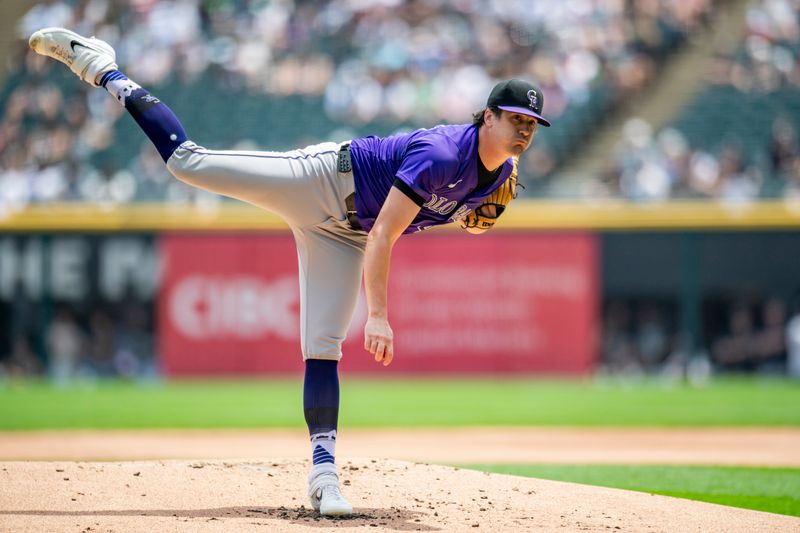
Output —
(87, 57)
(324, 493)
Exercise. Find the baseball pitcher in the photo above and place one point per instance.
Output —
(346, 204)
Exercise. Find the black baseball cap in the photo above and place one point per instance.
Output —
(518, 96)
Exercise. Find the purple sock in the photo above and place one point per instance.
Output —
(157, 120)
(321, 408)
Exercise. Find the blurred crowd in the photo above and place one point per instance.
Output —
(659, 166)
(103, 341)
(768, 58)
(641, 337)
(409, 63)
(739, 141)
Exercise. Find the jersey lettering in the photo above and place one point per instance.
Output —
(434, 203)
(460, 213)
(440, 204)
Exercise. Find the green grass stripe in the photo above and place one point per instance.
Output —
(774, 490)
(401, 402)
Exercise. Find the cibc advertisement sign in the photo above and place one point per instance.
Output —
(503, 303)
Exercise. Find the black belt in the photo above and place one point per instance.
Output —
(345, 165)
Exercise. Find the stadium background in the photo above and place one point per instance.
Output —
(655, 243)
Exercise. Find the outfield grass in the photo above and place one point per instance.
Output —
(400, 402)
(774, 490)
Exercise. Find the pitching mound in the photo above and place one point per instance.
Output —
(223, 496)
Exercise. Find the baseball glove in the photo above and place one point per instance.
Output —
(483, 217)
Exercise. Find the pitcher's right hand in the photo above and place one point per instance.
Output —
(378, 339)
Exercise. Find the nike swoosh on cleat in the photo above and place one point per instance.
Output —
(73, 43)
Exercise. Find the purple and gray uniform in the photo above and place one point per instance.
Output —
(437, 168)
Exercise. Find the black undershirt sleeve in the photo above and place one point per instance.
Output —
(408, 191)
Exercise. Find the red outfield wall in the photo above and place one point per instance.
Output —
(503, 303)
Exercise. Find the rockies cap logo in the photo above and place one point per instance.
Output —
(533, 98)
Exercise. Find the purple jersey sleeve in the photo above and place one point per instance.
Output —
(429, 164)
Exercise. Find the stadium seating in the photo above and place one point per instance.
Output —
(275, 77)
(741, 127)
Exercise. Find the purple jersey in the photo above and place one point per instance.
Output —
(437, 168)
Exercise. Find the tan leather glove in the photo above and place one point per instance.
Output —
(483, 217)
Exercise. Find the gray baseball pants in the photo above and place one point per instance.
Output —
(305, 188)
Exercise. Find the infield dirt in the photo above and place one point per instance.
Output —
(388, 495)
(268, 495)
